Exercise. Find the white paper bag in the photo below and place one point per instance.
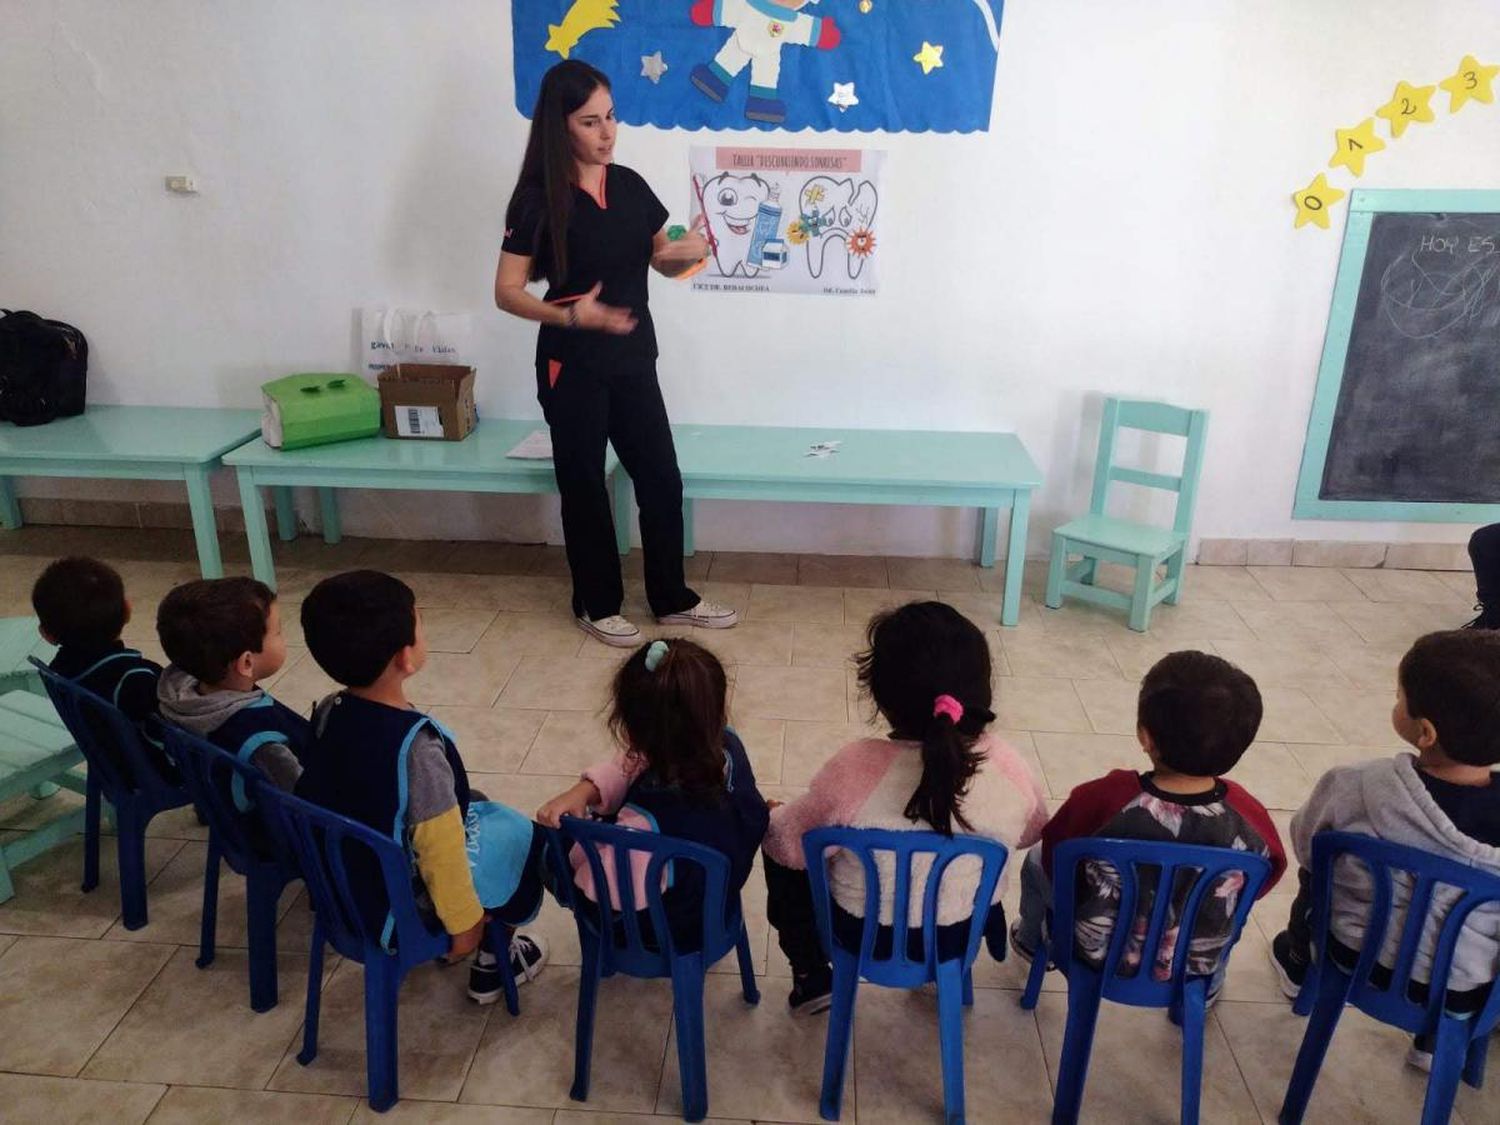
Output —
(389, 336)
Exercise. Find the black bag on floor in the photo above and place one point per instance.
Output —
(43, 368)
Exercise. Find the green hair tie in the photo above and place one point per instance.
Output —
(655, 654)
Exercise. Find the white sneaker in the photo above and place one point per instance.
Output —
(704, 615)
(1418, 1059)
(616, 631)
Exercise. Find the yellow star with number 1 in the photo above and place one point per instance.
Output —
(1472, 80)
(1354, 145)
(929, 56)
(1408, 104)
(1314, 200)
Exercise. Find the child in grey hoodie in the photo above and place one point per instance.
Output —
(1446, 801)
(223, 636)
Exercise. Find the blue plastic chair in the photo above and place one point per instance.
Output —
(1404, 880)
(613, 941)
(122, 771)
(954, 977)
(323, 842)
(242, 840)
(1143, 547)
(1185, 997)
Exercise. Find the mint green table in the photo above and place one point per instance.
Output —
(988, 471)
(131, 443)
(476, 464)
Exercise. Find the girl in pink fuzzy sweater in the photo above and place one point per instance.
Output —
(927, 668)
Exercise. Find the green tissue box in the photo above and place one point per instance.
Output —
(316, 409)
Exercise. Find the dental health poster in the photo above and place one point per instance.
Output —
(782, 220)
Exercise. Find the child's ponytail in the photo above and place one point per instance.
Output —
(949, 761)
(927, 667)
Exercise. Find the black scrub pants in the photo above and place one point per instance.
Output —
(586, 408)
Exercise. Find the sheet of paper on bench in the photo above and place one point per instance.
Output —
(536, 446)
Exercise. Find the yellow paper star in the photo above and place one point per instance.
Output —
(929, 56)
(1353, 145)
(1408, 104)
(1314, 200)
(1473, 80)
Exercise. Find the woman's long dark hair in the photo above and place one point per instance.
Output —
(548, 170)
(915, 654)
(672, 717)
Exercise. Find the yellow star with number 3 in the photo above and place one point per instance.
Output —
(1408, 104)
(929, 56)
(1314, 200)
(1473, 80)
(1354, 145)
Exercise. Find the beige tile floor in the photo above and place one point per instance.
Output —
(100, 1024)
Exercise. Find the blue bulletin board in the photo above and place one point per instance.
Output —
(1405, 422)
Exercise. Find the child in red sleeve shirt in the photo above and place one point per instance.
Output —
(1197, 714)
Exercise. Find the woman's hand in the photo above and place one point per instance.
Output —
(572, 802)
(674, 257)
(594, 315)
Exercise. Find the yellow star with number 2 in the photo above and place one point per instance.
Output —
(1473, 80)
(929, 56)
(1408, 104)
(1314, 200)
(1354, 145)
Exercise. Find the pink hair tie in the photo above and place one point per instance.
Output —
(947, 705)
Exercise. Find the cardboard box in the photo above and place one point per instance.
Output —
(428, 401)
(315, 409)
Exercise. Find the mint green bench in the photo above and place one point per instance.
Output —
(476, 464)
(131, 443)
(36, 752)
(987, 471)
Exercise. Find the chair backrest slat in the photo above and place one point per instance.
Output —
(900, 966)
(1427, 918)
(1150, 417)
(324, 843)
(1191, 872)
(113, 746)
(624, 942)
(208, 771)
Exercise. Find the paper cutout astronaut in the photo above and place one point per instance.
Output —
(758, 31)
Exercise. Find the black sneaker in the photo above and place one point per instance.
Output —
(811, 994)
(1025, 954)
(1290, 973)
(527, 956)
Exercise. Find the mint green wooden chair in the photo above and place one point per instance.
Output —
(1101, 538)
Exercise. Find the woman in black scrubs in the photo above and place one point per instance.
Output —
(591, 228)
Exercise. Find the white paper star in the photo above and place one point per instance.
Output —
(653, 67)
(843, 96)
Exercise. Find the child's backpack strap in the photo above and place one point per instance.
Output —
(398, 825)
(247, 751)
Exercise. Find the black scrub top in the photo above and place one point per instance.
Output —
(609, 242)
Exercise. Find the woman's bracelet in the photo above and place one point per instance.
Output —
(572, 321)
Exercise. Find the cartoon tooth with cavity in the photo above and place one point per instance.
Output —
(839, 212)
(758, 31)
(732, 204)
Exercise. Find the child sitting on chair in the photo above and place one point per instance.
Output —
(927, 668)
(378, 760)
(1195, 717)
(1446, 800)
(223, 636)
(81, 607)
(680, 771)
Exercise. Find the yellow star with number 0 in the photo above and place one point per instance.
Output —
(1314, 200)
(1408, 104)
(1353, 145)
(1473, 80)
(929, 56)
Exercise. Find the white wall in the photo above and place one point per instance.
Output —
(1123, 227)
